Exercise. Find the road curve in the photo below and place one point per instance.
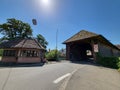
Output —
(60, 76)
(35, 78)
(93, 77)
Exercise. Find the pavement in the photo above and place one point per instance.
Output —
(59, 76)
(93, 77)
(34, 78)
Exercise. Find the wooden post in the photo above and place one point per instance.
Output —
(18, 54)
(93, 52)
(67, 52)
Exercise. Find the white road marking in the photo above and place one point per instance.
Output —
(61, 78)
(64, 84)
(65, 76)
(74, 71)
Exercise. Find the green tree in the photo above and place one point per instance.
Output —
(15, 29)
(53, 55)
(42, 40)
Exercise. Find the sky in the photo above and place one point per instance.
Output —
(65, 16)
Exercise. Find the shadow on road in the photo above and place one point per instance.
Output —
(4, 65)
(86, 62)
(89, 62)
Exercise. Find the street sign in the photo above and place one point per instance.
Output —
(95, 47)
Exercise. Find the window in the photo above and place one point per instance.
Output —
(9, 53)
(29, 53)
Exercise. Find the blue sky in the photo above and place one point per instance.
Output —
(68, 16)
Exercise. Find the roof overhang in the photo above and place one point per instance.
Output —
(98, 38)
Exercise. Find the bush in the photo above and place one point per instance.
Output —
(118, 64)
(52, 55)
(112, 62)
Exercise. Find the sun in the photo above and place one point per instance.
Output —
(45, 2)
(46, 6)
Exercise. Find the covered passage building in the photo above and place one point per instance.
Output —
(22, 51)
(84, 45)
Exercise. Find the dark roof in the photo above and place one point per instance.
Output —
(83, 34)
(22, 43)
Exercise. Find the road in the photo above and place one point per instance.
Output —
(35, 78)
(93, 77)
(59, 76)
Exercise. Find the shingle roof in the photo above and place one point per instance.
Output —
(22, 43)
(83, 34)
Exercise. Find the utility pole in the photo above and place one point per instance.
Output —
(57, 45)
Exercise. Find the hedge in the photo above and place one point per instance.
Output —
(112, 62)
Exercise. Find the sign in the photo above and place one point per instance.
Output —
(95, 47)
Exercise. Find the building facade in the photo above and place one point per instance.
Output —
(84, 45)
(22, 51)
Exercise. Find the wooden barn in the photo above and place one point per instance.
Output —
(22, 51)
(84, 45)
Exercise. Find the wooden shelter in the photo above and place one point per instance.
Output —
(85, 44)
(22, 51)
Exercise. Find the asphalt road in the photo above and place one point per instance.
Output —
(59, 76)
(93, 77)
(45, 77)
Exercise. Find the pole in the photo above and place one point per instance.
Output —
(56, 39)
(57, 45)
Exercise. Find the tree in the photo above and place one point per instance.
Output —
(15, 29)
(42, 40)
(53, 55)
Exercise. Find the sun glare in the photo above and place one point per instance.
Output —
(45, 2)
(46, 6)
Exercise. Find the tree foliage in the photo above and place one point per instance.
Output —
(15, 29)
(53, 55)
(42, 40)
